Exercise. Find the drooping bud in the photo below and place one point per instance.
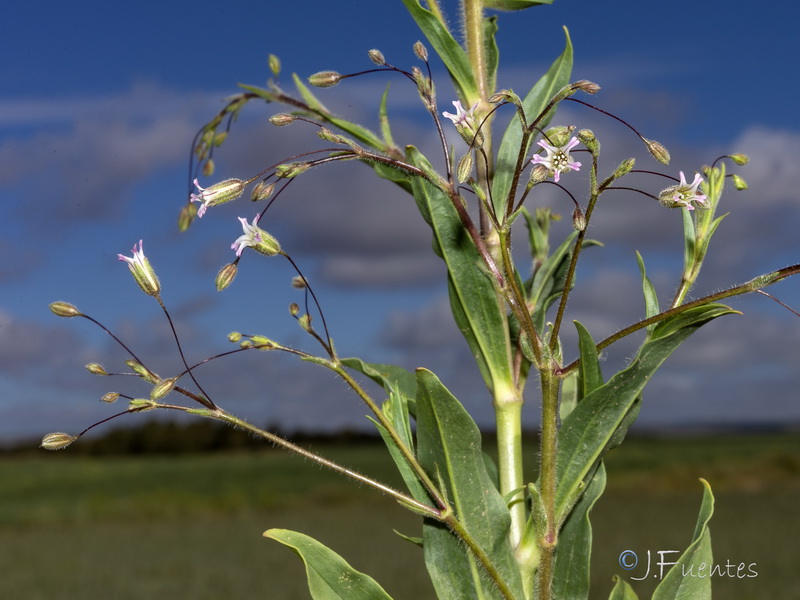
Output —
(162, 388)
(57, 441)
(325, 79)
(64, 309)
(538, 174)
(219, 193)
(208, 168)
(294, 309)
(282, 119)
(376, 56)
(186, 216)
(226, 276)
(96, 369)
(141, 370)
(220, 137)
(262, 191)
(738, 182)
(274, 65)
(110, 397)
(305, 322)
(142, 272)
(578, 219)
(740, 159)
(421, 51)
(657, 151)
(299, 282)
(234, 336)
(245, 344)
(264, 343)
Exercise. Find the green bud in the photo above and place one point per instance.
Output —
(420, 51)
(289, 170)
(162, 388)
(186, 216)
(262, 191)
(588, 139)
(578, 219)
(740, 159)
(376, 56)
(208, 168)
(226, 276)
(234, 336)
(64, 309)
(657, 151)
(587, 86)
(625, 167)
(110, 397)
(282, 119)
(464, 167)
(738, 182)
(325, 79)
(538, 174)
(141, 405)
(96, 369)
(219, 138)
(141, 370)
(294, 309)
(274, 65)
(559, 136)
(57, 441)
(299, 282)
(245, 344)
(264, 343)
(305, 321)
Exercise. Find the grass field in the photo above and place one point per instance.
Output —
(190, 526)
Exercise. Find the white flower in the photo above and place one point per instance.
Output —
(558, 159)
(686, 194)
(464, 118)
(219, 193)
(142, 272)
(255, 238)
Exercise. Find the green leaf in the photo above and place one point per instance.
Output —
(538, 97)
(588, 430)
(492, 52)
(448, 49)
(383, 117)
(384, 375)
(329, 575)
(622, 590)
(690, 578)
(449, 447)
(478, 312)
(514, 4)
(650, 296)
(590, 373)
(574, 552)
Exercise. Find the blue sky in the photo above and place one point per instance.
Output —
(98, 107)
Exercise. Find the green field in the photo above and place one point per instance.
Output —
(190, 526)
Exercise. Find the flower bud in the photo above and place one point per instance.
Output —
(305, 322)
(420, 51)
(464, 167)
(208, 168)
(219, 193)
(282, 119)
(110, 397)
(740, 159)
(294, 309)
(96, 369)
(186, 216)
(262, 191)
(289, 170)
(657, 151)
(738, 182)
(588, 139)
(587, 86)
(264, 343)
(142, 272)
(578, 219)
(220, 137)
(376, 56)
(162, 388)
(64, 309)
(57, 441)
(625, 167)
(299, 282)
(538, 174)
(245, 344)
(141, 370)
(325, 79)
(274, 65)
(234, 336)
(226, 276)
(141, 405)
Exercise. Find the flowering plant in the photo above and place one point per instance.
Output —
(487, 531)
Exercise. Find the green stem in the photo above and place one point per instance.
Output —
(508, 415)
(547, 478)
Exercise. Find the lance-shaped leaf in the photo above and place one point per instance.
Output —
(650, 296)
(449, 448)
(690, 577)
(556, 78)
(330, 577)
(448, 49)
(479, 313)
(622, 590)
(589, 429)
(514, 4)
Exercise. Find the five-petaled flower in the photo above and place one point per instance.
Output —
(558, 159)
(686, 194)
(255, 238)
(219, 193)
(142, 272)
(462, 117)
